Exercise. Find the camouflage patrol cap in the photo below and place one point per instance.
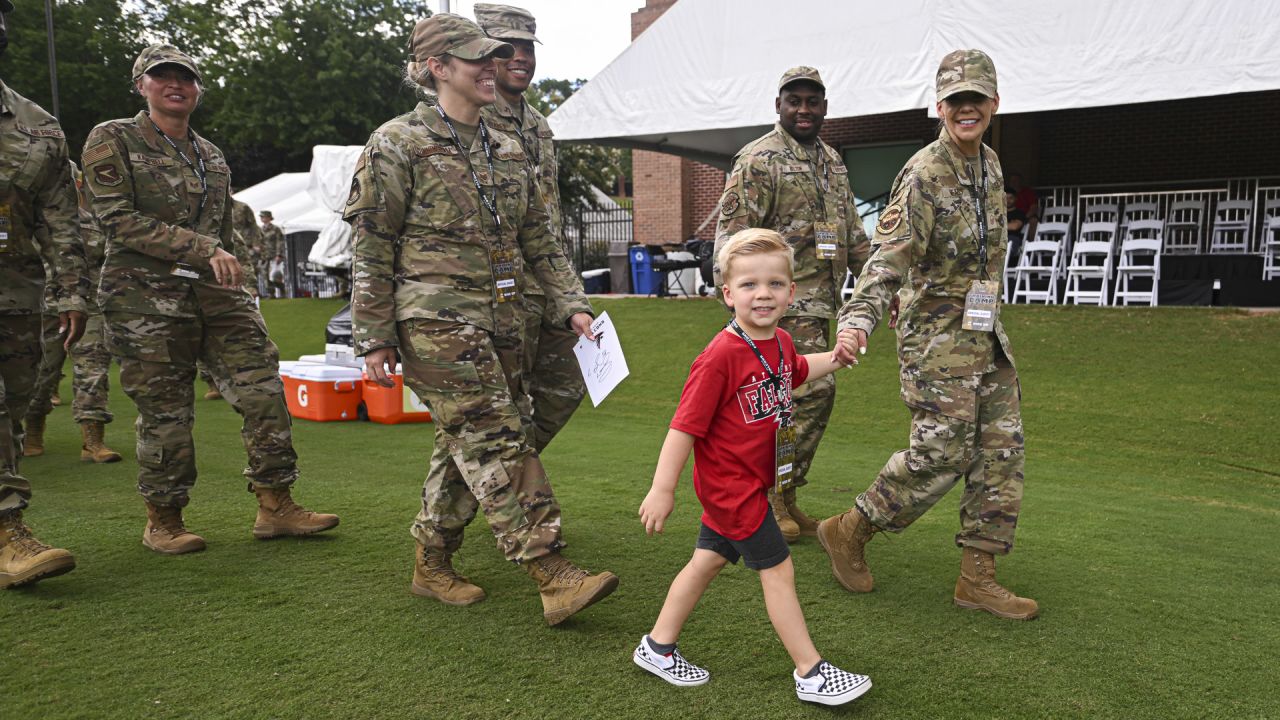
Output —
(506, 22)
(966, 71)
(801, 72)
(448, 34)
(266, 215)
(154, 56)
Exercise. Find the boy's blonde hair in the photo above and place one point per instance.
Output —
(754, 241)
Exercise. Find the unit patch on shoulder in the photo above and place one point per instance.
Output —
(107, 175)
(890, 219)
(354, 197)
(730, 204)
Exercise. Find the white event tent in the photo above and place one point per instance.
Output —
(698, 82)
(312, 202)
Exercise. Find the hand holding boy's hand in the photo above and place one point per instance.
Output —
(849, 344)
(655, 509)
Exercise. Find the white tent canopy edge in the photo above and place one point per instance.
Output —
(699, 82)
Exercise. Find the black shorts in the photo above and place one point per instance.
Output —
(762, 550)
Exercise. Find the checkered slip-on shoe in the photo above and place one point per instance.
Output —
(831, 686)
(673, 668)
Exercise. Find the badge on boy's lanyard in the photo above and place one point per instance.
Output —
(784, 441)
(980, 303)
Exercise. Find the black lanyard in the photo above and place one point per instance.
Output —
(774, 376)
(489, 202)
(824, 186)
(980, 206)
(199, 170)
(533, 151)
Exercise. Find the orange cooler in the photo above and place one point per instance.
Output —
(394, 405)
(321, 392)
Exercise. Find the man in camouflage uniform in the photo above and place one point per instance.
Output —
(440, 258)
(172, 293)
(551, 373)
(792, 182)
(942, 239)
(272, 252)
(91, 361)
(35, 193)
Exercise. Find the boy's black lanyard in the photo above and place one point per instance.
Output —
(980, 206)
(491, 203)
(199, 170)
(774, 376)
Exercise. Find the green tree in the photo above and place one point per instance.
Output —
(96, 43)
(581, 166)
(285, 75)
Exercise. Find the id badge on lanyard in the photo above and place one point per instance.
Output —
(184, 271)
(980, 306)
(785, 453)
(825, 241)
(503, 262)
(6, 227)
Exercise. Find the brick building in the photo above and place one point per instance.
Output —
(1175, 143)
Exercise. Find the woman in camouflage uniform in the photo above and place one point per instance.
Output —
(172, 293)
(942, 239)
(447, 218)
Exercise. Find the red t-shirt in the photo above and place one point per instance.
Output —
(732, 409)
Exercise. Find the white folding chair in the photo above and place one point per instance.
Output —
(1091, 260)
(1059, 216)
(1101, 212)
(1182, 226)
(1039, 262)
(1232, 226)
(1140, 257)
(1271, 249)
(1135, 211)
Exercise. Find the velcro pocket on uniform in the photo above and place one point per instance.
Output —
(137, 345)
(451, 377)
(150, 454)
(955, 397)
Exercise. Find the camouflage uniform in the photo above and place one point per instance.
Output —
(147, 201)
(424, 283)
(961, 385)
(250, 237)
(272, 248)
(35, 192)
(90, 359)
(779, 184)
(551, 374)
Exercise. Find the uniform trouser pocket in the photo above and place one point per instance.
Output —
(463, 375)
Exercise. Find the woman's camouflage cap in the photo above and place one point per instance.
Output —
(448, 34)
(966, 71)
(506, 22)
(154, 56)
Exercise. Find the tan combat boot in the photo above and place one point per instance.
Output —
(808, 526)
(790, 530)
(166, 534)
(34, 444)
(93, 448)
(566, 588)
(55, 399)
(844, 538)
(434, 577)
(23, 558)
(212, 393)
(977, 589)
(279, 515)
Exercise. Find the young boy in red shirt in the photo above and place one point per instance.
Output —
(734, 414)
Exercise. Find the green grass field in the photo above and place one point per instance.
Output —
(1150, 535)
